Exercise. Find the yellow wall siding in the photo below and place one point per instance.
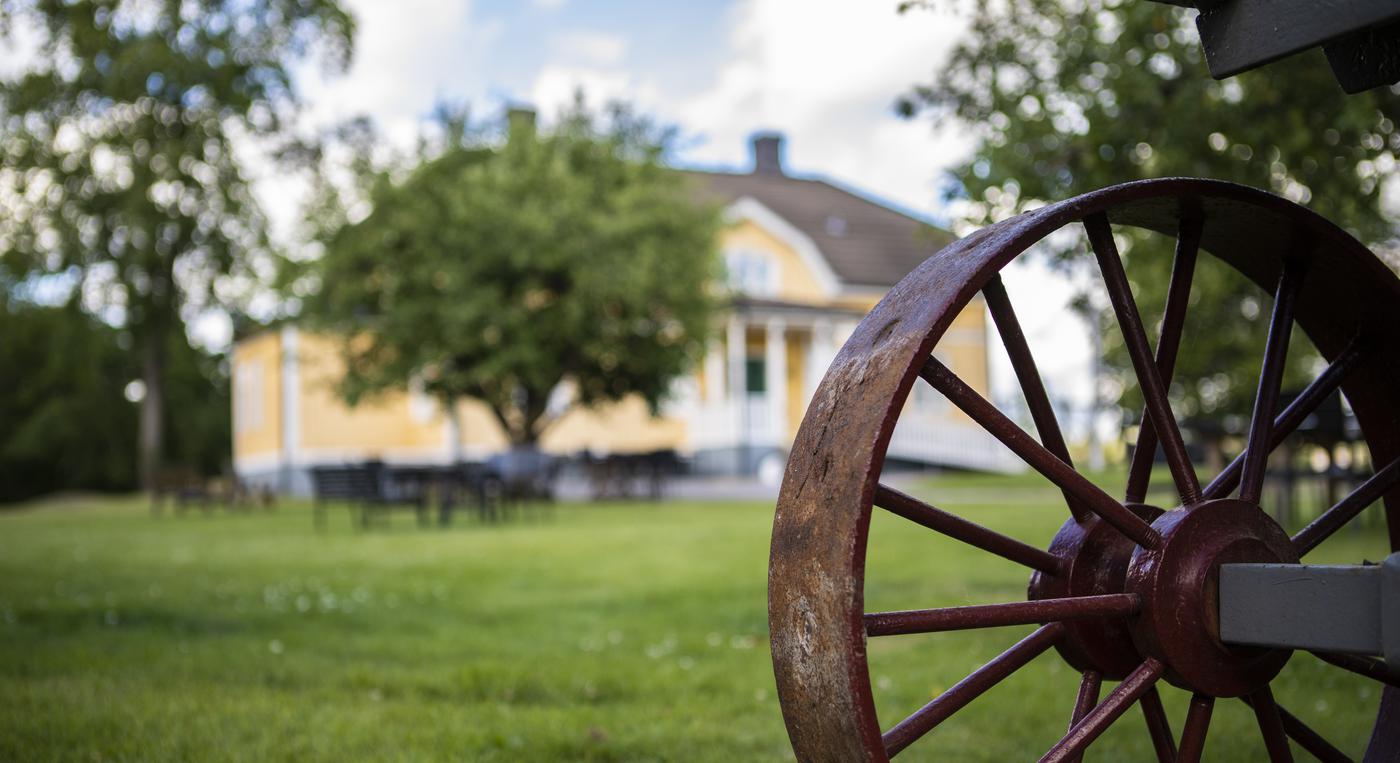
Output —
(797, 344)
(963, 348)
(755, 337)
(626, 426)
(480, 431)
(257, 401)
(796, 282)
(968, 337)
(863, 302)
(385, 425)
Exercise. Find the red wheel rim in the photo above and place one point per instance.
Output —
(1324, 281)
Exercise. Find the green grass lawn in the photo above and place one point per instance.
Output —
(610, 632)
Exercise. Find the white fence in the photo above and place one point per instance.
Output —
(923, 439)
(950, 444)
(725, 424)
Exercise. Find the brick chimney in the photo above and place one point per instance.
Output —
(767, 153)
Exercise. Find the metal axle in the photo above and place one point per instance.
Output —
(1351, 609)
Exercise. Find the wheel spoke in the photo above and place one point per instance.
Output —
(1100, 718)
(1311, 740)
(1347, 509)
(1188, 240)
(1271, 726)
(1193, 734)
(1362, 666)
(1154, 392)
(1086, 700)
(1256, 454)
(971, 533)
(1302, 406)
(1035, 454)
(977, 683)
(993, 615)
(1032, 386)
(1307, 738)
(1158, 727)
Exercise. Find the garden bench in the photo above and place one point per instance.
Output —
(367, 488)
(618, 475)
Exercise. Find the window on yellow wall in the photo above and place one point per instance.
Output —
(248, 396)
(751, 273)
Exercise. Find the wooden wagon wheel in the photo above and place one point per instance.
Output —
(1123, 592)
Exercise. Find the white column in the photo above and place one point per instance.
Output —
(454, 432)
(291, 405)
(736, 392)
(775, 373)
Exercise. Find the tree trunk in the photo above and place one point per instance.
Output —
(152, 434)
(454, 429)
(519, 418)
(1215, 455)
(523, 436)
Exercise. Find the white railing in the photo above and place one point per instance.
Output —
(950, 444)
(758, 421)
(726, 424)
(934, 440)
(713, 425)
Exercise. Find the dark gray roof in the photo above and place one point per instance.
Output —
(864, 242)
(745, 304)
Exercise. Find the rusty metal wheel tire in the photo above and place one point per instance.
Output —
(1100, 591)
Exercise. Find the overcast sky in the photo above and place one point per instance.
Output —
(825, 72)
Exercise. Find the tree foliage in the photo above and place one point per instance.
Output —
(1065, 96)
(122, 134)
(68, 425)
(502, 271)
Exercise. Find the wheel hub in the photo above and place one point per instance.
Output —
(1178, 584)
(1095, 559)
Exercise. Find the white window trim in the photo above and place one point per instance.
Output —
(752, 210)
(249, 397)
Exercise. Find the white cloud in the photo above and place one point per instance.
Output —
(408, 54)
(595, 48)
(550, 5)
(555, 86)
(827, 74)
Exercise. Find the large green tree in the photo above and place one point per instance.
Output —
(120, 165)
(568, 260)
(1065, 96)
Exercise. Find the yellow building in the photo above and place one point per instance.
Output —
(806, 259)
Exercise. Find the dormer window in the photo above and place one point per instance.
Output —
(751, 273)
